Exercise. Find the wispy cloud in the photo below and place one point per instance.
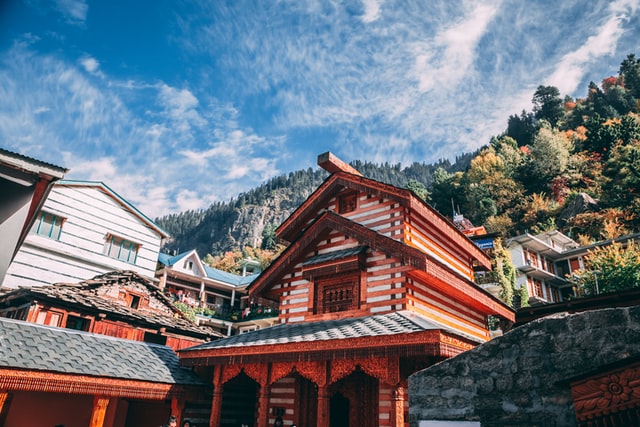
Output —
(371, 11)
(446, 59)
(55, 112)
(573, 66)
(90, 64)
(74, 11)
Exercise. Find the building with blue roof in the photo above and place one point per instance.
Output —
(219, 299)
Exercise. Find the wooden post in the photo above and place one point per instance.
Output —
(397, 419)
(100, 405)
(263, 406)
(216, 402)
(323, 406)
(177, 406)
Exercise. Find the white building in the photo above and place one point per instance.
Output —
(536, 259)
(84, 229)
(222, 296)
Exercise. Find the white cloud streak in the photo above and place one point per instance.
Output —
(572, 67)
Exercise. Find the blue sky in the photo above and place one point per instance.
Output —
(177, 104)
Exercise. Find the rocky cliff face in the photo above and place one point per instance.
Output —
(230, 227)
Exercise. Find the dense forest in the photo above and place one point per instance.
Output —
(569, 164)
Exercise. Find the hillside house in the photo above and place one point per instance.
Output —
(84, 229)
(220, 298)
(25, 184)
(373, 286)
(537, 259)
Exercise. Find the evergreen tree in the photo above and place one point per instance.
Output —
(547, 104)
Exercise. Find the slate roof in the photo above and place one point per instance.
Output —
(84, 294)
(25, 345)
(400, 322)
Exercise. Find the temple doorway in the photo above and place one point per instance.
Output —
(306, 413)
(239, 397)
(354, 401)
(339, 411)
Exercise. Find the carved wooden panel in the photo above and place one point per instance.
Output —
(340, 369)
(48, 382)
(611, 392)
(257, 372)
(279, 371)
(315, 372)
(230, 372)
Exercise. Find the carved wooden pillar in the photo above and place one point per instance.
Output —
(216, 403)
(323, 406)
(177, 406)
(263, 405)
(397, 414)
(100, 405)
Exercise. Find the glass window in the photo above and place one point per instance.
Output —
(48, 225)
(122, 249)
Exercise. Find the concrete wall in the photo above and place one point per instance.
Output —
(522, 378)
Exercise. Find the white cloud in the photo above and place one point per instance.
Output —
(75, 11)
(371, 11)
(90, 64)
(446, 59)
(573, 66)
(181, 106)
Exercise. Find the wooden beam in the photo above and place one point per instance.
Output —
(332, 164)
(100, 405)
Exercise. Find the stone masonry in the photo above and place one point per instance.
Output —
(523, 377)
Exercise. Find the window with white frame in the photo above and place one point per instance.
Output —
(122, 249)
(48, 225)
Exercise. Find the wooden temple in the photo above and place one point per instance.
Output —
(373, 286)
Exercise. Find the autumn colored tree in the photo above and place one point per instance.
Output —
(610, 268)
(488, 186)
(549, 159)
(621, 183)
(604, 134)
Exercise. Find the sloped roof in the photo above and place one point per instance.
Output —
(25, 345)
(171, 260)
(85, 295)
(124, 203)
(30, 164)
(336, 182)
(211, 273)
(399, 322)
(231, 278)
(423, 264)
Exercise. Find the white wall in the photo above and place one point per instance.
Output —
(91, 214)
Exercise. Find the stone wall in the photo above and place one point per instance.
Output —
(522, 378)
